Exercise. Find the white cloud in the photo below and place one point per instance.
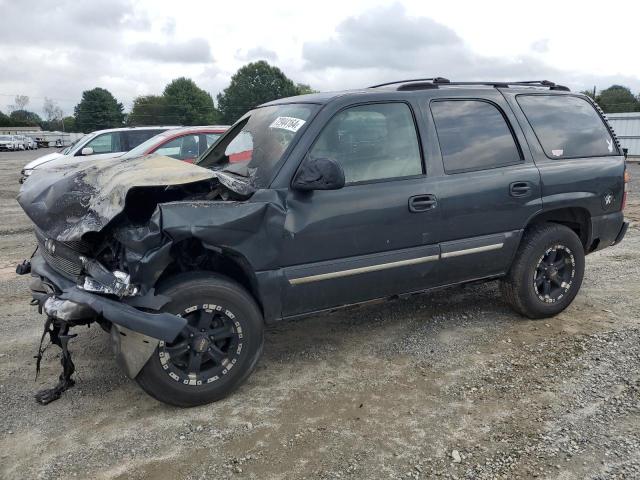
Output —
(135, 47)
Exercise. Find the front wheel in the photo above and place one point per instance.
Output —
(547, 272)
(216, 351)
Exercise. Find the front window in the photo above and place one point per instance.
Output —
(182, 148)
(75, 146)
(257, 142)
(5, 138)
(105, 143)
(372, 142)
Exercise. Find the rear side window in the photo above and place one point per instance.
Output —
(372, 142)
(473, 135)
(136, 137)
(567, 126)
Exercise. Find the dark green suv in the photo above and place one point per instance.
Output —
(312, 203)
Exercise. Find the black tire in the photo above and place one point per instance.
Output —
(536, 286)
(170, 379)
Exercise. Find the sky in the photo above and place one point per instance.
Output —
(58, 49)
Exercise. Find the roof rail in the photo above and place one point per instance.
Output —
(426, 83)
(434, 79)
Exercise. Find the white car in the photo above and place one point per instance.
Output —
(99, 144)
(32, 144)
(21, 142)
(7, 142)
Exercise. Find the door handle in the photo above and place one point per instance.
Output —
(520, 189)
(421, 203)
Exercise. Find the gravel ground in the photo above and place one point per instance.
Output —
(450, 385)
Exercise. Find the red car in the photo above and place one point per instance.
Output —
(185, 143)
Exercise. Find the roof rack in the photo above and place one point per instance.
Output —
(434, 79)
(427, 83)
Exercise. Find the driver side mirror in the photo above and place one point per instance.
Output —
(318, 174)
(87, 151)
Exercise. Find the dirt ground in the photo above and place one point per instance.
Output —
(385, 391)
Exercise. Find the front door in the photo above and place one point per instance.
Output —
(377, 236)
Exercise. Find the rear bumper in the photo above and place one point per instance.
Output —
(61, 298)
(606, 230)
(621, 233)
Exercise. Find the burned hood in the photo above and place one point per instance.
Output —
(66, 202)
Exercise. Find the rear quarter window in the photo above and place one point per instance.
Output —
(567, 126)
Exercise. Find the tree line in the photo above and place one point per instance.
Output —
(182, 102)
(615, 99)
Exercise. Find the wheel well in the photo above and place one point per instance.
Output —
(577, 219)
(192, 255)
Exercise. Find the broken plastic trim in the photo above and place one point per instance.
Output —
(101, 280)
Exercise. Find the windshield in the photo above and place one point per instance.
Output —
(255, 144)
(4, 138)
(146, 145)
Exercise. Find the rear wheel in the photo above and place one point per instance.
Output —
(216, 351)
(547, 272)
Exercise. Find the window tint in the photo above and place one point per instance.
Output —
(371, 142)
(136, 137)
(473, 135)
(567, 126)
(182, 148)
(105, 143)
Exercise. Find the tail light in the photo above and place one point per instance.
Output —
(627, 179)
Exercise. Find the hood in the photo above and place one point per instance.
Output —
(43, 159)
(65, 202)
(66, 161)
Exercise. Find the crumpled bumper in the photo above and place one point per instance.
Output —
(134, 333)
(61, 298)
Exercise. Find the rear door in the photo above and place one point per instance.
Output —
(489, 186)
(375, 237)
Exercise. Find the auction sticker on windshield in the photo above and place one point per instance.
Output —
(287, 123)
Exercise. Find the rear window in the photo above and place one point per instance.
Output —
(567, 126)
(473, 135)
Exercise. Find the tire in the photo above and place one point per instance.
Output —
(547, 272)
(224, 363)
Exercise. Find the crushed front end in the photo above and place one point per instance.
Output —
(82, 273)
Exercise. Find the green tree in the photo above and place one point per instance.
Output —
(150, 110)
(304, 89)
(187, 104)
(98, 110)
(253, 84)
(69, 124)
(5, 121)
(26, 118)
(617, 98)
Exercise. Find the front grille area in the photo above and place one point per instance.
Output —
(65, 258)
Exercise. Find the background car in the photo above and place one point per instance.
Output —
(99, 144)
(7, 142)
(21, 141)
(185, 144)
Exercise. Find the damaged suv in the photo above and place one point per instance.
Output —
(312, 203)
